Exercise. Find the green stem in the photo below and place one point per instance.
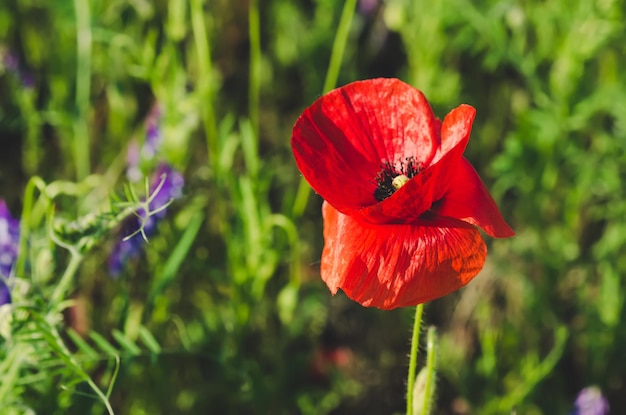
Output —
(417, 324)
(301, 199)
(57, 344)
(205, 77)
(255, 66)
(68, 276)
(83, 86)
(283, 222)
(339, 45)
(431, 364)
(26, 221)
(10, 369)
(31, 150)
(75, 259)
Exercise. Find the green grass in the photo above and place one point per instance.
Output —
(224, 311)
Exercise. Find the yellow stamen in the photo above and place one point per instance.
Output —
(399, 181)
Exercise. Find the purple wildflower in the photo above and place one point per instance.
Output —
(591, 402)
(9, 242)
(137, 155)
(5, 294)
(167, 184)
(12, 64)
(153, 133)
(133, 157)
(368, 7)
(172, 187)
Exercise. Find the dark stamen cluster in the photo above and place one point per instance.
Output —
(388, 172)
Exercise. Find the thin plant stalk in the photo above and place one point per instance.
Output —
(415, 339)
(35, 183)
(67, 278)
(254, 32)
(83, 87)
(205, 77)
(339, 45)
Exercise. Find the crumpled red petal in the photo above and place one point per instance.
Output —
(340, 141)
(468, 199)
(409, 202)
(455, 134)
(389, 266)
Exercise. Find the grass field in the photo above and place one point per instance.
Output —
(124, 302)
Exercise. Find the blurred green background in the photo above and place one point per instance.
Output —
(229, 288)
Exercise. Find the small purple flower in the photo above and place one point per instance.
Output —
(368, 7)
(5, 294)
(171, 187)
(167, 184)
(125, 249)
(591, 402)
(133, 158)
(137, 155)
(9, 243)
(153, 133)
(12, 63)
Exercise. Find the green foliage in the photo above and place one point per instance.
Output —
(224, 311)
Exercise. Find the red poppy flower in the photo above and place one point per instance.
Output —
(401, 201)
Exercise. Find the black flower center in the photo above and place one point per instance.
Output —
(391, 177)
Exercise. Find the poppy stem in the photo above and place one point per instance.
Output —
(417, 325)
(431, 370)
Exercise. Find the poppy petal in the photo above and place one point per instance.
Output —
(455, 134)
(409, 202)
(455, 131)
(342, 139)
(389, 266)
(469, 200)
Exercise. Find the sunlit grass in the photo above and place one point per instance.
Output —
(223, 310)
